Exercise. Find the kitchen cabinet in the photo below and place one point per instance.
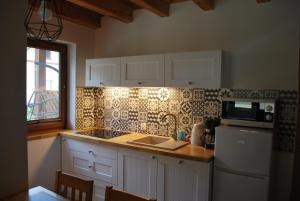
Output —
(188, 69)
(91, 161)
(142, 71)
(180, 180)
(137, 172)
(103, 72)
(146, 174)
(194, 69)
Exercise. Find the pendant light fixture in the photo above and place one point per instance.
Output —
(43, 21)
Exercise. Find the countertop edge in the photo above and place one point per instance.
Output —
(141, 148)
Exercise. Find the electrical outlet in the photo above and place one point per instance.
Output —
(143, 126)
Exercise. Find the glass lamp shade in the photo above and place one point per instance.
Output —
(43, 21)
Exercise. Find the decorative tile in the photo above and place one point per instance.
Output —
(88, 122)
(240, 93)
(124, 92)
(198, 119)
(88, 102)
(186, 95)
(143, 105)
(116, 114)
(152, 116)
(124, 114)
(143, 116)
(224, 93)
(116, 103)
(143, 93)
(185, 120)
(127, 108)
(133, 104)
(133, 126)
(152, 128)
(163, 106)
(211, 109)
(79, 113)
(163, 130)
(186, 108)
(174, 107)
(153, 105)
(211, 94)
(133, 115)
(198, 108)
(198, 94)
(163, 94)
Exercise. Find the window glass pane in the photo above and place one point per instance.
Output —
(43, 84)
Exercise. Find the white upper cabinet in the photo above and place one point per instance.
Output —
(142, 71)
(193, 69)
(103, 72)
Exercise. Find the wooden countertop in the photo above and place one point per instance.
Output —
(44, 134)
(191, 152)
(36, 193)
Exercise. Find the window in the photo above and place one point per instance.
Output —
(46, 85)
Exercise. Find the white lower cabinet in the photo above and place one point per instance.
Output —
(150, 175)
(137, 172)
(183, 180)
(91, 161)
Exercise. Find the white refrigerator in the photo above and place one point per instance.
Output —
(242, 164)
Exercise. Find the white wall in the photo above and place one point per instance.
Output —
(13, 157)
(84, 39)
(44, 158)
(260, 40)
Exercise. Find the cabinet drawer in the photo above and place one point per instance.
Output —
(96, 150)
(86, 159)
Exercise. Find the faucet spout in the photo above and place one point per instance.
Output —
(174, 135)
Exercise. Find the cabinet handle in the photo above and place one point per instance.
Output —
(91, 152)
(153, 157)
(90, 166)
(139, 83)
(179, 162)
(101, 83)
(190, 83)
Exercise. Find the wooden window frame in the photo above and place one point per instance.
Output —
(59, 123)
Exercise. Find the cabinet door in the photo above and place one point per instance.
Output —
(137, 172)
(86, 159)
(142, 71)
(182, 180)
(193, 69)
(103, 72)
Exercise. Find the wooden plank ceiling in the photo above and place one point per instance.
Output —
(89, 12)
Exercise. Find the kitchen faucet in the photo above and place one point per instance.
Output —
(174, 135)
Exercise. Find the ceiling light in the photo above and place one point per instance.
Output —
(43, 21)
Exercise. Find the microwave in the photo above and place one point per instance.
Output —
(248, 112)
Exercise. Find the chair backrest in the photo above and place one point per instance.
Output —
(83, 187)
(117, 195)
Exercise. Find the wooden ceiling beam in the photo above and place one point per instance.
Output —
(205, 4)
(158, 7)
(76, 14)
(262, 1)
(113, 8)
(79, 15)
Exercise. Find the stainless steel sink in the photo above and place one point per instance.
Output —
(158, 142)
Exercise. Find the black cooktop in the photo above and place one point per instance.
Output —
(101, 133)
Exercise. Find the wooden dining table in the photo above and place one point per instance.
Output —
(36, 194)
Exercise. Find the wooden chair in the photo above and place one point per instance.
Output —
(65, 181)
(117, 195)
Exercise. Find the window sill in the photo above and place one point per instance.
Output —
(37, 135)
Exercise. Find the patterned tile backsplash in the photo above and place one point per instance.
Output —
(127, 108)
